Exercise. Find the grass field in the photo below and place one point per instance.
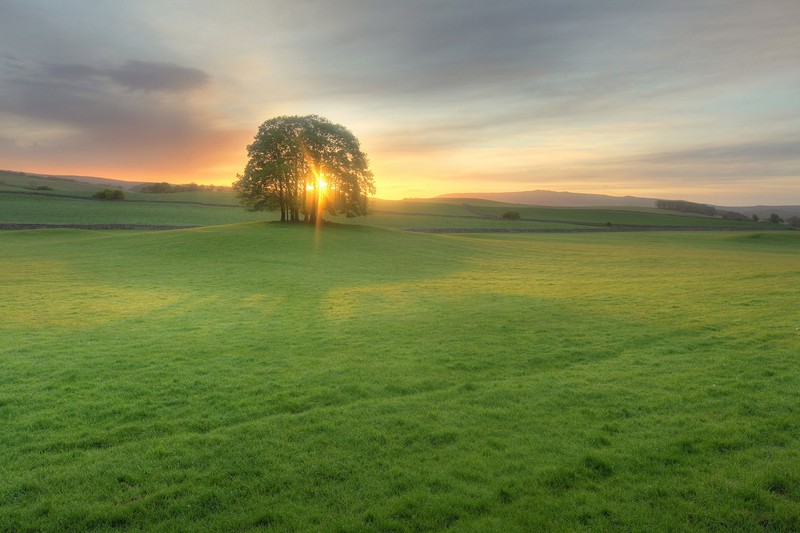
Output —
(272, 377)
(33, 209)
(259, 376)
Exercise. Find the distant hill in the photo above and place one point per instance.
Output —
(557, 199)
(94, 180)
(574, 199)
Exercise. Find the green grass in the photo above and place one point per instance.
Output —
(427, 221)
(34, 209)
(460, 213)
(632, 215)
(14, 182)
(416, 212)
(271, 377)
(211, 198)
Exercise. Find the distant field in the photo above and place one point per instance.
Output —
(13, 181)
(267, 376)
(54, 210)
(465, 220)
(30, 199)
(621, 216)
(454, 213)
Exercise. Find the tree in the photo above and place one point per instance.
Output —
(109, 194)
(774, 218)
(305, 165)
(686, 207)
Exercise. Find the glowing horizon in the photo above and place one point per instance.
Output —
(626, 99)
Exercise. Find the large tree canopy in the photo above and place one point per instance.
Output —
(305, 165)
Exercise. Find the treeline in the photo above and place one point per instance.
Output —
(699, 209)
(687, 207)
(164, 188)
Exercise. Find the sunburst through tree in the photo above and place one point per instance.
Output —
(305, 166)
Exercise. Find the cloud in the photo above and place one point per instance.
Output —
(150, 76)
(769, 152)
(415, 48)
(138, 75)
(135, 115)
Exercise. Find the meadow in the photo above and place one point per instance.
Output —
(357, 377)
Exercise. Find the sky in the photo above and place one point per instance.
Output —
(683, 99)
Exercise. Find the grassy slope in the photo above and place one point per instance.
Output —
(262, 376)
(33, 209)
(16, 182)
(13, 181)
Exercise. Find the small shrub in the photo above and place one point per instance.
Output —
(109, 194)
(511, 215)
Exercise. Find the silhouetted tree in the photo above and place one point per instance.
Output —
(774, 218)
(305, 165)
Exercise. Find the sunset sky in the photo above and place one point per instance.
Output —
(690, 99)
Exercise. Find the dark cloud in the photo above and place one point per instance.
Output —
(565, 57)
(414, 48)
(127, 115)
(71, 72)
(168, 77)
(138, 75)
(128, 102)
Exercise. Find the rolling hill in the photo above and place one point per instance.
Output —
(557, 198)
(94, 180)
(572, 199)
